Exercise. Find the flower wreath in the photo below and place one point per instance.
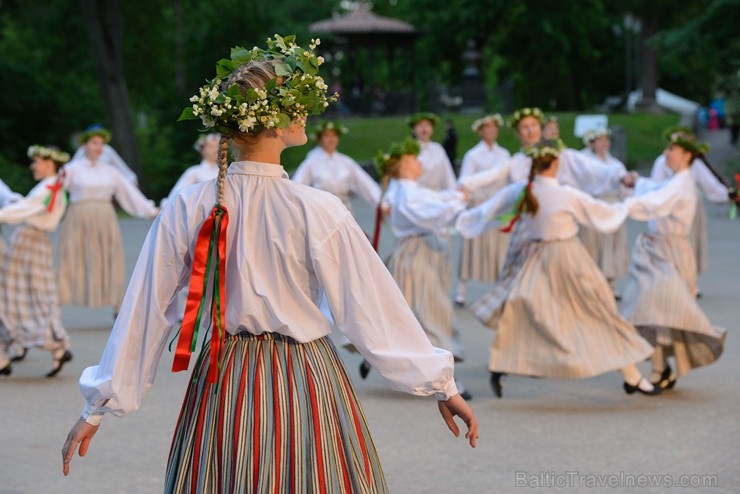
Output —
(544, 149)
(95, 130)
(688, 142)
(677, 129)
(330, 125)
(397, 149)
(296, 92)
(50, 153)
(495, 118)
(418, 117)
(591, 135)
(518, 115)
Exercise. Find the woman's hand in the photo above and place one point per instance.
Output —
(456, 406)
(80, 434)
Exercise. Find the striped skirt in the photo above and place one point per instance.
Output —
(608, 250)
(29, 301)
(556, 316)
(421, 267)
(483, 257)
(283, 418)
(699, 236)
(91, 262)
(659, 299)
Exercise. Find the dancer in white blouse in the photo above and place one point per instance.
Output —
(91, 262)
(659, 297)
(108, 156)
(554, 313)
(420, 219)
(30, 315)
(609, 250)
(481, 258)
(207, 169)
(328, 169)
(437, 169)
(276, 370)
(709, 187)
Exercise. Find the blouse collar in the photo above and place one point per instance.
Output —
(256, 168)
(541, 179)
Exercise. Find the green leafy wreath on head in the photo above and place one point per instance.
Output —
(397, 149)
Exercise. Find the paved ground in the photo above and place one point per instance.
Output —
(543, 434)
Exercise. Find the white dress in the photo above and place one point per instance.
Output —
(554, 312)
(437, 169)
(482, 257)
(659, 297)
(339, 174)
(91, 262)
(420, 219)
(609, 250)
(276, 227)
(30, 314)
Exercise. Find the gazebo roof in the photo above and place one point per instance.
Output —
(362, 22)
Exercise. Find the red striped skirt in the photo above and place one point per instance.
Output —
(283, 417)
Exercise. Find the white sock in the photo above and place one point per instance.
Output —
(461, 289)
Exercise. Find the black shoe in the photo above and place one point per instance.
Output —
(459, 304)
(630, 389)
(465, 395)
(19, 357)
(667, 379)
(59, 363)
(5, 371)
(364, 369)
(497, 383)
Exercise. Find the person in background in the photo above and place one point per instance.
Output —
(207, 169)
(551, 128)
(438, 173)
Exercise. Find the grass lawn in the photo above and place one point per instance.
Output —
(367, 135)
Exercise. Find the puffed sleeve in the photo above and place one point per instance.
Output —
(654, 200)
(130, 198)
(588, 174)
(713, 189)
(598, 215)
(25, 207)
(431, 210)
(477, 181)
(371, 311)
(475, 221)
(7, 196)
(362, 184)
(468, 165)
(126, 371)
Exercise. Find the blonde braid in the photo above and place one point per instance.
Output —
(223, 164)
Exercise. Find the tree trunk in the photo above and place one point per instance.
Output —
(649, 59)
(104, 25)
(180, 83)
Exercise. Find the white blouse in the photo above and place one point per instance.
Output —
(712, 188)
(287, 247)
(110, 157)
(480, 158)
(609, 161)
(561, 209)
(32, 209)
(7, 196)
(416, 210)
(576, 170)
(339, 174)
(668, 206)
(87, 181)
(437, 169)
(194, 175)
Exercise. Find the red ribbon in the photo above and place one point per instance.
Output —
(378, 224)
(54, 188)
(519, 209)
(211, 240)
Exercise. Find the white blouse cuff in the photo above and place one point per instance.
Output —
(447, 391)
(91, 418)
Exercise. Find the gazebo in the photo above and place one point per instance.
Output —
(376, 52)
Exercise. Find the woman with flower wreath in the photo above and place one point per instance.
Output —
(481, 258)
(30, 315)
(708, 186)
(554, 313)
(270, 407)
(328, 169)
(659, 295)
(207, 169)
(609, 250)
(438, 173)
(91, 261)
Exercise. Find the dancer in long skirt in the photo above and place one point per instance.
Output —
(437, 169)
(270, 407)
(91, 262)
(709, 187)
(659, 294)
(335, 172)
(481, 258)
(420, 219)
(553, 311)
(609, 250)
(207, 169)
(108, 155)
(30, 315)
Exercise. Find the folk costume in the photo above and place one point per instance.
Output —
(438, 172)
